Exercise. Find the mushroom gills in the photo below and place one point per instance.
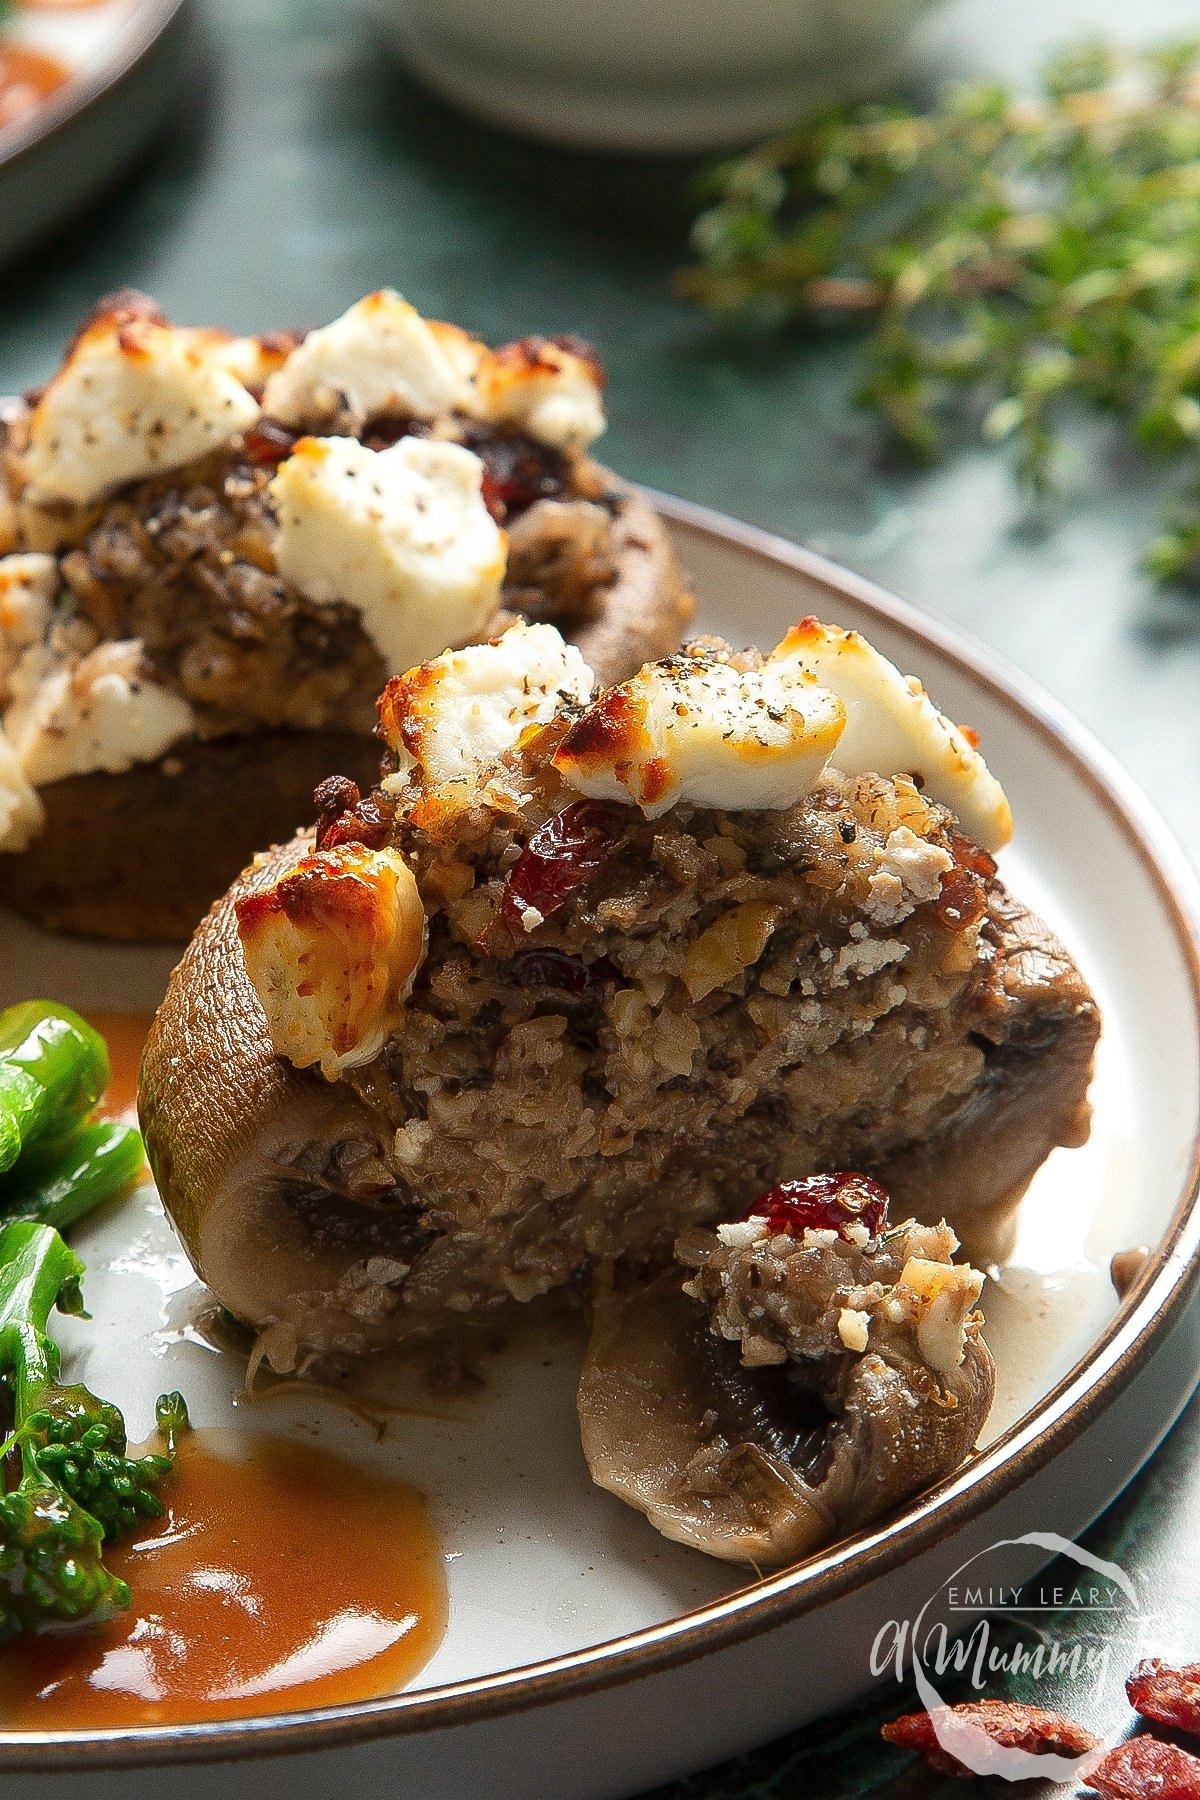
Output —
(765, 1464)
(712, 1453)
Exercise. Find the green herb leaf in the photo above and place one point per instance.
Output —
(1023, 256)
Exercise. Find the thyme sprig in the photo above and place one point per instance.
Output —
(1027, 254)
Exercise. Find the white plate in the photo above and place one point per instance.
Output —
(124, 58)
(585, 1656)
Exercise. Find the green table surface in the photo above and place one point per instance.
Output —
(304, 171)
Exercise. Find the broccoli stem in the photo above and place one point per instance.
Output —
(100, 1160)
(53, 1070)
(38, 1272)
(78, 1488)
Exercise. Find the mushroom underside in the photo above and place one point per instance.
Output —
(759, 1465)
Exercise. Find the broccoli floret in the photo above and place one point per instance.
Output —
(78, 1490)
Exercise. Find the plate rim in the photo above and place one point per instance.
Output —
(1145, 1318)
(132, 41)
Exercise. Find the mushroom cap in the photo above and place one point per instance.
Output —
(644, 613)
(762, 1465)
(271, 1174)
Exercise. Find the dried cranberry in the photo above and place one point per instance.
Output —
(559, 859)
(968, 855)
(267, 442)
(516, 472)
(556, 969)
(388, 428)
(1007, 1722)
(822, 1203)
(1146, 1767)
(1167, 1694)
(345, 818)
(960, 902)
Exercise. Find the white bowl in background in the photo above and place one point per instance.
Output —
(649, 75)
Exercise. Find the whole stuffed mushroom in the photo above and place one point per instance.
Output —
(594, 965)
(214, 551)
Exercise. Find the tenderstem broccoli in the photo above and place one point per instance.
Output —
(78, 1491)
(56, 1161)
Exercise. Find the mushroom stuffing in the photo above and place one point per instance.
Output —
(215, 550)
(644, 998)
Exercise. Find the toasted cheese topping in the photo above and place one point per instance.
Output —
(544, 388)
(893, 728)
(100, 711)
(945, 1294)
(29, 582)
(452, 717)
(401, 534)
(133, 397)
(332, 951)
(250, 360)
(21, 814)
(696, 728)
(380, 357)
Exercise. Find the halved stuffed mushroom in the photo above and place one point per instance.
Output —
(220, 548)
(594, 965)
(806, 1370)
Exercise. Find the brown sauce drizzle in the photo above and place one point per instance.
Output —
(125, 1034)
(280, 1578)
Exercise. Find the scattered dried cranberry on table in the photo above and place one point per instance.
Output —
(1167, 1695)
(1007, 1722)
(1144, 1768)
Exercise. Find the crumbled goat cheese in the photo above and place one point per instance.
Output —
(99, 711)
(695, 728)
(543, 388)
(452, 717)
(400, 534)
(908, 872)
(893, 728)
(133, 398)
(918, 864)
(885, 902)
(21, 814)
(741, 1234)
(29, 582)
(863, 957)
(250, 360)
(332, 949)
(380, 357)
